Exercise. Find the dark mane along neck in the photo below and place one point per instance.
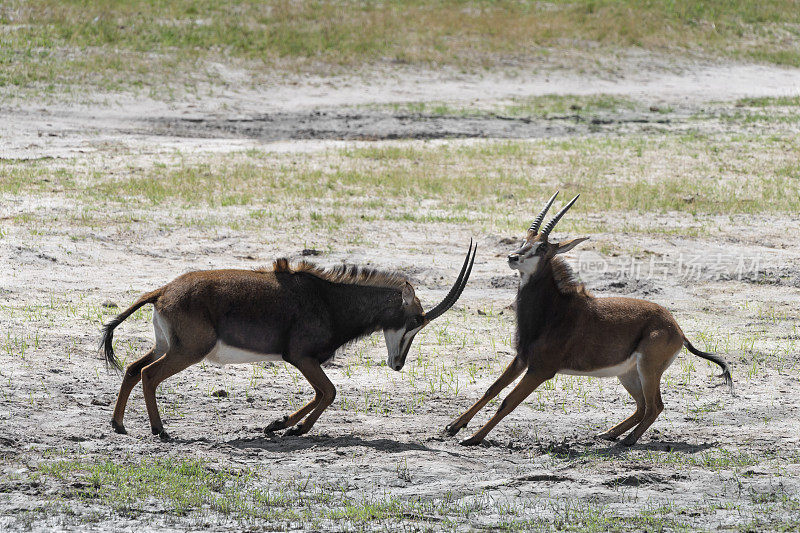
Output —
(544, 300)
(565, 278)
(360, 300)
(344, 274)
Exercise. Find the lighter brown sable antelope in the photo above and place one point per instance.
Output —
(562, 329)
(300, 314)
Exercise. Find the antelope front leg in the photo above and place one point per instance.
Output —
(326, 393)
(511, 373)
(524, 388)
(288, 421)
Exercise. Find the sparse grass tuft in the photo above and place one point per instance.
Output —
(769, 101)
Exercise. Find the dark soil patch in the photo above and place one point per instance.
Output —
(380, 125)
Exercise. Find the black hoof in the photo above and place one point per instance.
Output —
(452, 429)
(296, 430)
(118, 428)
(277, 424)
(471, 442)
(164, 436)
(606, 436)
(628, 441)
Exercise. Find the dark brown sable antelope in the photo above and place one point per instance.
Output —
(562, 329)
(300, 314)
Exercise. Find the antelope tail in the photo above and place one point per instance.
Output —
(106, 343)
(726, 371)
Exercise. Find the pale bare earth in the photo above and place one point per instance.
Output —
(40, 129)
(711, 461)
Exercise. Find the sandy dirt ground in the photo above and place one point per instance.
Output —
(711, 461)
(230, 118)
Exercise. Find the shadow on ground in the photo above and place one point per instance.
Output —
(288, 444)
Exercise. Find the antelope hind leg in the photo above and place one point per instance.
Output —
(132, 376)
(630, 381)
(651, 388)
(152, 375)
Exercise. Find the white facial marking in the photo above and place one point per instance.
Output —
(394, 338)
(527, 260)
(527, 265)
(224, 354)
(397, 344)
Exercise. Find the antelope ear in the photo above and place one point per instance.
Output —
(408, 294)
(566, 246)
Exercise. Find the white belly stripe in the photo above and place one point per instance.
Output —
(607, 372)
(223, 354)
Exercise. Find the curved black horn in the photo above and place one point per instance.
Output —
(458, 286)
(552, 224)
(538, 222)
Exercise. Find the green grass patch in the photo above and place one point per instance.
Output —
(194, 489)
(182, 485)
(546, 106)
(18, 176)
(717, 459)
(502, 181)
(763, 119)
(189, 487)
(113, 45)
(770, 101)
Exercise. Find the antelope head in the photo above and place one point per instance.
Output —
(413, 318)
(537, 251)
